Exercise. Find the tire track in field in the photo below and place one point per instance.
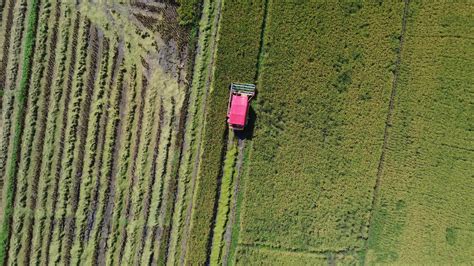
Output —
(42, 121)
(232, 213)
(241, 145)
(212, 52)
(388, 124)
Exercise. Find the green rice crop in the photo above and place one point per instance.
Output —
(424, 214)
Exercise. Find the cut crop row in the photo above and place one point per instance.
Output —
(93, 148)
(156, 191)
(38, 142)
(23, 182)
(193, 132)
(112, 138)
(46, 201)
(142, 173)
(127, 147)
(18, 128)
(10, 85)
(71, 141)
(91, 75)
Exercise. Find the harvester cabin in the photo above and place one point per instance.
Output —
(239, 102)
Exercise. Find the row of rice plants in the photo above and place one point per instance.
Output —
(70, 144)
(112, 138)
(134, 174)
(23, 183)
(193, 129)
(238, 19)
(20, 110)
(38, 142)
(121, 180)
(169, 191)
(159, 186)
(6, 22)
(143, 168)
(9, 91)
(93, 153)
(64, 62)
(91, 75)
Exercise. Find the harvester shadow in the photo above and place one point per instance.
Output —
(247, 133)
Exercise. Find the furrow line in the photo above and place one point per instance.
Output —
(388, 124)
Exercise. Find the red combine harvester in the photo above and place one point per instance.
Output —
(239, 101)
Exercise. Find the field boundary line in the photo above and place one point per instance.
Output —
(388, 123)
(325, 253)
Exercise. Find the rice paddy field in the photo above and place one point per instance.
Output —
(114, 147)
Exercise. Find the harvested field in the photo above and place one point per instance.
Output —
(83, 87)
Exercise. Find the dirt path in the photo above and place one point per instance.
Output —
(213, 46)
(388, 122)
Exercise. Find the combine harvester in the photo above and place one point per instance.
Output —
(239, 102)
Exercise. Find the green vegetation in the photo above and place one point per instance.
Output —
(114, 147)
(238, 34)
(21, 100)
(250, 256)
(324, 83)
(89, 146)
(223, 204)
(424, 212)
(189, 11)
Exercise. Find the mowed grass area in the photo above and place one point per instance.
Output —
(322, 101)
(425, 211)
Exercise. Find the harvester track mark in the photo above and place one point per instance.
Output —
(232, 213)
(388, 124)
(213, 46)
(322, 253)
